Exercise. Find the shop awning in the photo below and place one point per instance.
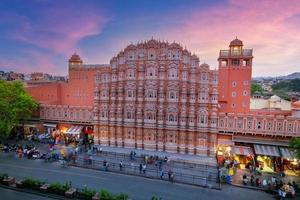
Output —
(74, 130)
(266, 150)
(50, 125)
(286, 153)
(242, 150)
(27, 125)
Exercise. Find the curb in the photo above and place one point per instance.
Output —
(48, 195)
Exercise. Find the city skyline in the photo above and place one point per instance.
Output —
(42, 35)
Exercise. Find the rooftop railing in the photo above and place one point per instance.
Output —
(227, 53)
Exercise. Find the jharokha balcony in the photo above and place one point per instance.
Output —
(286, 126)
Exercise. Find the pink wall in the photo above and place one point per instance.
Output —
(47, 94)
(78, 91)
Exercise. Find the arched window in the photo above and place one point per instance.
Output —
(172, 95)
(171, 118)
(173, 73)
(129, 93)
(128, 115)
(202, 119)
(151, 72)
(130, 74)
(150, 116)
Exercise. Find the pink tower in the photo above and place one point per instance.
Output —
(235, 68)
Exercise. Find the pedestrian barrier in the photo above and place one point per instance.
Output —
(205, 179)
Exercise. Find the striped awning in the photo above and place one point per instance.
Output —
(286, 153)
(243, 150)
(74, 130)
(266, 150)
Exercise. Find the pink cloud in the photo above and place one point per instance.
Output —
(263, 25)
(60, 30)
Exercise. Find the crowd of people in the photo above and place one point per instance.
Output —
(272, 183)
(27, 150)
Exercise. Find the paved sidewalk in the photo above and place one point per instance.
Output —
(185, 172)
(204, 160)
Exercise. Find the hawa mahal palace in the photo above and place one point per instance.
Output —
(157, 96)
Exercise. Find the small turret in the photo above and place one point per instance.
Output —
(75, 61)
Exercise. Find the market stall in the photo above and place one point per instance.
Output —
(290, 165)
(244, 156)
(268, 157)
(72, 135)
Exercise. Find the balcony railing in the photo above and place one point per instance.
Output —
(227, 53)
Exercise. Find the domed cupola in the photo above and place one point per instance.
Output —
(75, 59)
(236, 42)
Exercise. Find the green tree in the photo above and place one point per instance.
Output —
(16, 106)
(256, 88)
(294, 145)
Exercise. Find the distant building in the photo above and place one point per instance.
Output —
(273, 103)
(37, 76)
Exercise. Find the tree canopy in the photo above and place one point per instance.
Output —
(282, 88)
(294, 145)
(15, 105)
(256, 88)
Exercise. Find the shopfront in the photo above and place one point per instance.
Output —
(224, 153)
(72, 135)
(224, 149)
(290, 165)
(267, 158)
(49, 128)
(244, 156)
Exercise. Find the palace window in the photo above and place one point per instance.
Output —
(221, 123)
(224, 63)
(173, 73)
(172, 118)
(270, 126)
(249, 124)
(290, 127)
(234, 84)
(279, 127)
(258, 126)
(184, 76)
(172, 95)
(235, 62)
(203, 76)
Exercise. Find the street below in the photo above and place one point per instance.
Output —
(138, 188)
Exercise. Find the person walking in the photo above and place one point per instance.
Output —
(169, 174)
(144, 169)
(172, 177)
(161, 174)
(121, 165)
(252, 180)
(141, 168)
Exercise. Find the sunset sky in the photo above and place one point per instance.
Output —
(40, 35)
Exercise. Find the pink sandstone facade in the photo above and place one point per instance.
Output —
(157, 96)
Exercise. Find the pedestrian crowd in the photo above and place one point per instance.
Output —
(283, 189)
